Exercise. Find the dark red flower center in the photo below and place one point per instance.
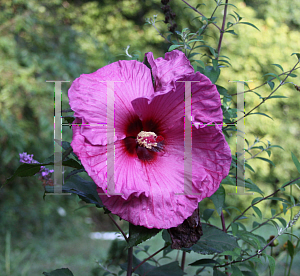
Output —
(142, 139)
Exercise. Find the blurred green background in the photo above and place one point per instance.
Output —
(59, 40)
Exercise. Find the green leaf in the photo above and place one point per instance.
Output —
(215, 64)
(228, 180)
(59, 272)
(296, 162)
(234, 228)
(213, 241)
(272, 263)
(218, 273)
(173, 47)
(207, 214)
(236, 271)
(257, 211)
(277, 97)
(259, 113)
(266, 160)
(231, 32)
(86, 190)
(142, 270)
(256, 199)
(278, 65)
(238, 16)
(204, 262)
(290, 248)
(139, 234)
(218, 198)
(271, 84)
(201, 63)
(166, 237)
(252, 186)
(283, 221)
(274, 75)
(164, 270)
(297, 54)
(253, 239)
(210, 72)
(249, 24)
(294, 182)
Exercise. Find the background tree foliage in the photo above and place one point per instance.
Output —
(59, 40)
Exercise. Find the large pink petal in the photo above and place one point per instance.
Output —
(88, 98)
(169, 69)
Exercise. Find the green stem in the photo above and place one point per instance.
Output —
(290, 266)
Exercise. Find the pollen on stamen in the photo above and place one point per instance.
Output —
(148, 139)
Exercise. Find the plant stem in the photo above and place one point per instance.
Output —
(222, 29)
(270, 94)
(183, 260)
(261, 201)
(149, 257)
(130, 255)
(292, 258)
(225, 230)
(198, 12)
(250, 90)
(156, 261)
(118, 226)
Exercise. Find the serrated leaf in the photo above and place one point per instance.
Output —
(59, 272)
(249, 24)
(213, 241)
(138, 234)
(218, 198)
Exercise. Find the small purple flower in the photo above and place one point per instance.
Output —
(26, 158)
(45, 174)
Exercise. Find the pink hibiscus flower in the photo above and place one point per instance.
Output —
(149, 138)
